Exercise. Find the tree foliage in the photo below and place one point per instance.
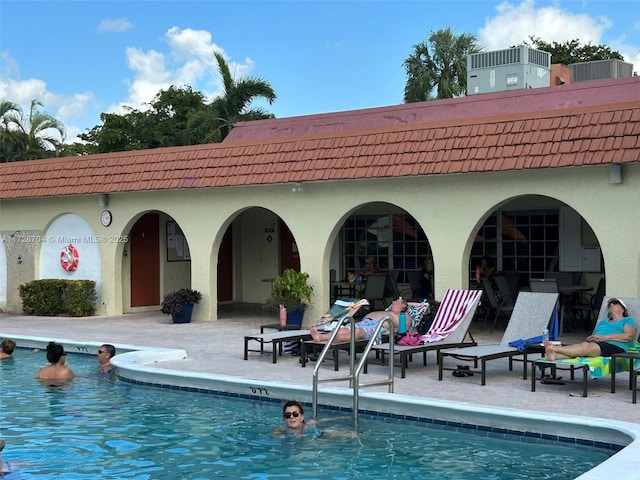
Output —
(180, 116)
(439, 65)
(38, 135)
(573, 51)
(215, 121)
(164, 124)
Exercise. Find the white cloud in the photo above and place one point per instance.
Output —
(118, 25)
(515, 23)
(189, 61)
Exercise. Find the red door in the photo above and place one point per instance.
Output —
(144, 255)
(289, 257)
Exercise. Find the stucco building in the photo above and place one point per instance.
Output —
(542, 180)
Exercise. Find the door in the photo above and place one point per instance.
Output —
(225, 267)
(144, 255)
(289, 257)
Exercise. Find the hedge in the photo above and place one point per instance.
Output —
(76, 298)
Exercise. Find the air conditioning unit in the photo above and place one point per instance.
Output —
(600, 70)
(511, 69)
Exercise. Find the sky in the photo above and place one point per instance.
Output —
(82, 58)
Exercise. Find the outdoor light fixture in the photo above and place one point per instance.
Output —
(103, 199)
(296, 187)
(615, 173)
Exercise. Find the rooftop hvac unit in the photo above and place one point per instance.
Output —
(600, 70)
(511, 69)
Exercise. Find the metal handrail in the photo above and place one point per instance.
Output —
(354, 371)
(363, 361)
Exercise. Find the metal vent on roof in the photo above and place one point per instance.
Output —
(509, 56)
(600, 70)
(511, 69)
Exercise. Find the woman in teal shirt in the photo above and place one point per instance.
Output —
(616, 334)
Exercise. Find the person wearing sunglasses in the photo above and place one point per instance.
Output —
(613, 334)
(293, 415)
(57, 368)
(105, 353)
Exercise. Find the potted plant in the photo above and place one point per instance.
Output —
(292, 290)
(179, 304)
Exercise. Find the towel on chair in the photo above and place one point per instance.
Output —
(520, 344)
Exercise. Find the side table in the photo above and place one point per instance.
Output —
(633, 372)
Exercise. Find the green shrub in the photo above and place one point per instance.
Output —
(80, 298)
(59, 297)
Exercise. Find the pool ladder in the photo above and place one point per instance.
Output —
(354, 369)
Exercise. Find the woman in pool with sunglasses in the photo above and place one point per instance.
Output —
(293, 415)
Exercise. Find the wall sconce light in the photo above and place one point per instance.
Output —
(19, 260)
(297, 187)
(103, 199)
(615, 173)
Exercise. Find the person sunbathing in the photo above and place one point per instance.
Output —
(615, 334)
(366, 327)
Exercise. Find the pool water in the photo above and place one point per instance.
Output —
(102, 427)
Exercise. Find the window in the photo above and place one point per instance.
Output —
(525, 241)
(394, 241)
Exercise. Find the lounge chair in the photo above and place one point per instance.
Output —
(276, 339)
(449, 329)
(592, 367)
(341, 313)
(531, 314)
(341, 309)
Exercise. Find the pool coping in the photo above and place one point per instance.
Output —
(140, 364)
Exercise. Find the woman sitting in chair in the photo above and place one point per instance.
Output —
(615, 334)
(366, 327)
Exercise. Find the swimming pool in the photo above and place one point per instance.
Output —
(179, 441)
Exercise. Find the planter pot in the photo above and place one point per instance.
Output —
(295, 315)
(185, 316)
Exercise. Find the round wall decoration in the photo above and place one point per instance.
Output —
(69, 258)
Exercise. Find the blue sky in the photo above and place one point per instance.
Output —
(81, 58)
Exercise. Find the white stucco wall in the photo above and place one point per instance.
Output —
(450, 209)
(71, 229)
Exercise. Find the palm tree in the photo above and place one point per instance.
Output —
(38, 136)
(213, 123)
(439, 64)
(10, 113)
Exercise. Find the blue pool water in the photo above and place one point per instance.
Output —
(100, 427)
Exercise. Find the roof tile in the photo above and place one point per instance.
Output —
(556, 138)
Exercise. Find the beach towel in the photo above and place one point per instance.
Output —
(452, 310)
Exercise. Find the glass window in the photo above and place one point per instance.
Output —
(394, 241)
(525, 240)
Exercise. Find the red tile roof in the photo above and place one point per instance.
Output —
(563, 137)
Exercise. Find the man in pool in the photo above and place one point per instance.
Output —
(57, 368)
(6, 348)
(367, 326)
(105, 353)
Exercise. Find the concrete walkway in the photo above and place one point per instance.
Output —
(217, 347)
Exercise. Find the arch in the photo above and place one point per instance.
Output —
(70, 231)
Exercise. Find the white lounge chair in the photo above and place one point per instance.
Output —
(341, 309)
(531, 314)
(449, 329)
